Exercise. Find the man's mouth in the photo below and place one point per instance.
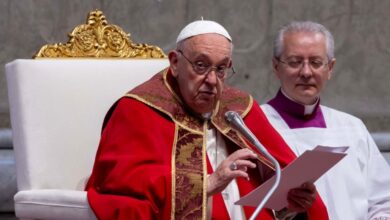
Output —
(305, 85)
(207, 95)
(208, 92)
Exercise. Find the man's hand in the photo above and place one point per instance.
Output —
(301, 198)
(236, 165)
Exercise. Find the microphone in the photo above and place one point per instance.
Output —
(238, 124)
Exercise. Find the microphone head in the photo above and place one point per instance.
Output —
(230, 116)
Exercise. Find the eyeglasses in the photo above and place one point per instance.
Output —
(202, 68)
(293, 63)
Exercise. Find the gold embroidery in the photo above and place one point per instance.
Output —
(173, 172)
(189, 176)
(204, 161)
(143, 100)
(155, 94)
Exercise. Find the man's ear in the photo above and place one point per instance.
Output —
(275, 67)
(173, 62)
(331, 64)
(230, 64)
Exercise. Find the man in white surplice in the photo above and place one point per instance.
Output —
(358, 187)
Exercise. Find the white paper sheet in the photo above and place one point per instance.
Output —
(307, 168)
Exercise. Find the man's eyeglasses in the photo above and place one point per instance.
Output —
(202, 68)
(315, 64)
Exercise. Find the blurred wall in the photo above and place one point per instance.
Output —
(360, 84)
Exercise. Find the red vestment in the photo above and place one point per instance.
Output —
(152, 163)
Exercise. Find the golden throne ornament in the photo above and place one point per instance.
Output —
(98, 39)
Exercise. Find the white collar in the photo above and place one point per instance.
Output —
(308, 108)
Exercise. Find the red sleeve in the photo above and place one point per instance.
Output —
(131, 178)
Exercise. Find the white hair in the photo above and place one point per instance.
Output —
(303, 26)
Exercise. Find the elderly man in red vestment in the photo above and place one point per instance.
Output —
(166, 151)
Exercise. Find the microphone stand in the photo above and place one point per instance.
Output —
(238, 124)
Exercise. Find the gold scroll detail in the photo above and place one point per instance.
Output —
(99, 39)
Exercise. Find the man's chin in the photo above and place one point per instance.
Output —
(204, 106)
(306, 98)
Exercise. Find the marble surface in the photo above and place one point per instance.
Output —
(7, 180)
(361, 29)
(5, 138)
(7, 175)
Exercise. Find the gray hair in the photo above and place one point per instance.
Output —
(303, 26)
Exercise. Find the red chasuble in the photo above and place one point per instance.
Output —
(152, 161)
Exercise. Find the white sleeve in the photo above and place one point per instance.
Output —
(378, 182)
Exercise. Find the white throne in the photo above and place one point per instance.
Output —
(57, 107)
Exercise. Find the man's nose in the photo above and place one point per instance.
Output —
(306, 70)
(212, 77)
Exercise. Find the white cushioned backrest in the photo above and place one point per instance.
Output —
(57, 108)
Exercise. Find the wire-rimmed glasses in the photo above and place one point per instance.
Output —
(295, 63)
(202, 68)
